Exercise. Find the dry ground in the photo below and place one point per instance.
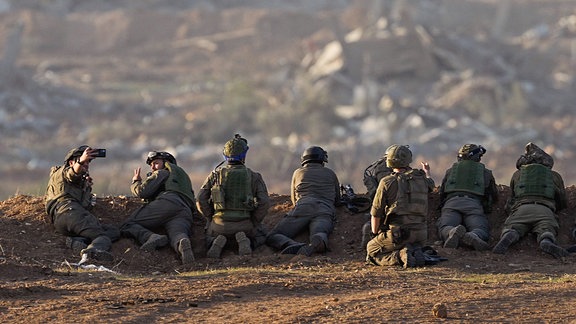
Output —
(36, 285)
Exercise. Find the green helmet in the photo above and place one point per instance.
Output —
(75, 153)
(471, 152)
(235, 149)
(398, 156)
(314, 154)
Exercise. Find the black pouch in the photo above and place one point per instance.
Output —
(397, 234)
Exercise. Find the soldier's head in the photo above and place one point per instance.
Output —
(398, 156)
(74, 154)
(156, 159)
(471, 152)
(534, 154)
(235, 149)
(314, 154)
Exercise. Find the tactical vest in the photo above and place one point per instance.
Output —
(466, 176)
(59, 188)
(178, 181)
(535, 181)
(232, 193)
(412, 195)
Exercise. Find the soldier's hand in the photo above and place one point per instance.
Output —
(426, 168)
(86, 155)
(137, 176)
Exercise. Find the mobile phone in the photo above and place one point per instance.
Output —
(99, 153)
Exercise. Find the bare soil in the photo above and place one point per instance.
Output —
(37, 285)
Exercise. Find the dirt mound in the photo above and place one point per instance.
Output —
(36, 285)
(29, 240)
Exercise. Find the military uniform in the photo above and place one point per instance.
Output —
(169, 206)
(536, 214)
(68, 201)
(315, 190)
(406, 228)
(468, 191)
(234, 200)
(233, 219)
(538, 193)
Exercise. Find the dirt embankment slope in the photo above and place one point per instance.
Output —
(525, 284)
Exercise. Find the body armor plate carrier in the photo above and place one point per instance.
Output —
(232, 194)
(466, 176)
(535, 181)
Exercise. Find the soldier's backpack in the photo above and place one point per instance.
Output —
(412, 195)
(373, 174)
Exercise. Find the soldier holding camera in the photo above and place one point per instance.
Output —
(68, 201)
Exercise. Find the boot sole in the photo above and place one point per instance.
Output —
(157, 242)
(474, 241)
(216, 248)
(454, 238)
(243, 241)
(185, 249)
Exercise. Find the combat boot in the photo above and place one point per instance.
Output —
(366, 235)
(185, 251)
(505, 241)
(556, 251)
(316, 245)
(76, 243)
(473, 240)
(407, 258)
(293, 248)
(244, 247)
(216, 247)
(154, 242)
(97, 254)
(454, 237)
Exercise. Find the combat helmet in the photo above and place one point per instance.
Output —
(398, 156)
(75, 153)
(472, 152)
(153, 155)
(534, 154)
(235, 149)
(314, 154)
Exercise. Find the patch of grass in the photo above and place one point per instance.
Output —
(517, 278)
(241, 271)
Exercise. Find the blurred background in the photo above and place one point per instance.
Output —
(351, 76)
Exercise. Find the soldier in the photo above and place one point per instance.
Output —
(467, 192)
(372, 176)
(234, 200)
(315, 191)
(538, 193)
(68, 201)
(170, 204)
(399, 211)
